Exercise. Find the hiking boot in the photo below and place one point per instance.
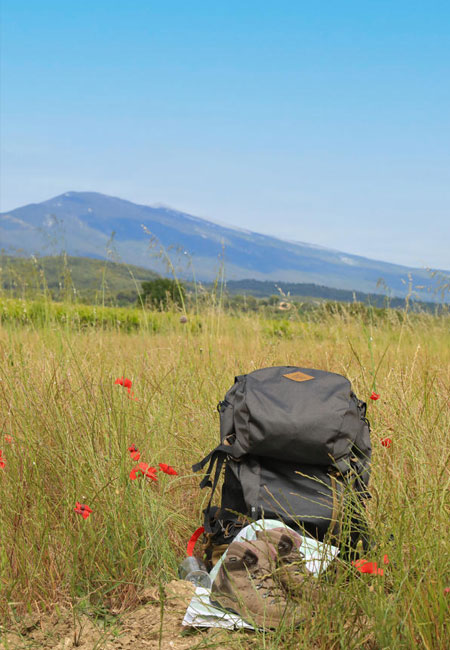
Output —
(245, 586)
(291, 571)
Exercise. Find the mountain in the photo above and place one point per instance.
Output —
(83, 223)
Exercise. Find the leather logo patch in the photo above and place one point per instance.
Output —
(298, 376)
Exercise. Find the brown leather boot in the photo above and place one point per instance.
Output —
(291, 571)
(245, 586)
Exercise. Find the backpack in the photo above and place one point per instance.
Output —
(294, 446)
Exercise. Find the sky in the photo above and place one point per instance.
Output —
(323, 122)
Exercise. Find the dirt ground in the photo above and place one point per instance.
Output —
(141, 628)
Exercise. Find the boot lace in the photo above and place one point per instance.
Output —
(266, 587)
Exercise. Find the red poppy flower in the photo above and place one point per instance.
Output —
(167, 469)
(123, 381)
(364, 566)
(134, 452)
(126, 383)
(374, 396)
(2, 461)
(82, 509)
(145, 470)
(447, 590)
(385, 559)
(386, 442)
(8, 438)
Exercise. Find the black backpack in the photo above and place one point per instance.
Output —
(295, 446)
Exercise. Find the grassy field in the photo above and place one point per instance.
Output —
(66, 427)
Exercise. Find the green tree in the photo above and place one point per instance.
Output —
(162, 292)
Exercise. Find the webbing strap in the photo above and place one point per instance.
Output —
(215, 458)
(212, 458)
(198, 466)
(219, 459)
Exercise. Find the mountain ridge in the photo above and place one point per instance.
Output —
(83, 223)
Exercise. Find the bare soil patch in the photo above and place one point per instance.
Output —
(155, 624)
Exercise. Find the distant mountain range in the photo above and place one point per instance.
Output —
(99, 226)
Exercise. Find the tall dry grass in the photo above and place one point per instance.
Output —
(70, 428)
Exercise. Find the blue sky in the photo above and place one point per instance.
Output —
(324, 122)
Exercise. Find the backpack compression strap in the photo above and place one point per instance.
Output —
(216, 457)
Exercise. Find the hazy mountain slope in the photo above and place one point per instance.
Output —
(82, 223)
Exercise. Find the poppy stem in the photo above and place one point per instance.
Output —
(115, 478)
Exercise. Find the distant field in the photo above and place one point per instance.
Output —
(66, 427)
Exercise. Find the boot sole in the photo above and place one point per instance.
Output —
(255, 620)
